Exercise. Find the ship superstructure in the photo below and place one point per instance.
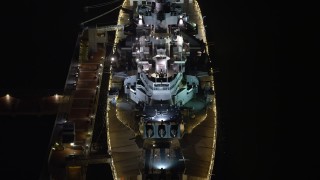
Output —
(165, 72)
(152, 96)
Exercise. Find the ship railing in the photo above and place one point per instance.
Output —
(177, 79)
(142, 87)
(160, 88)
(150, 84)
(146, 81)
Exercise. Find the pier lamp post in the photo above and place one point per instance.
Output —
(112, 60)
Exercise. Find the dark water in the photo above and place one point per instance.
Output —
(265, 54)
(24, 144)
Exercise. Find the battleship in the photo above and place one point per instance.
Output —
(139, 97)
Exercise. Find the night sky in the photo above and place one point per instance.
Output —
(265, 55)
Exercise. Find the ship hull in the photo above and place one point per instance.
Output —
(139, 97)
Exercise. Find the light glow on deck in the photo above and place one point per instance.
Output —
(200, 24)
(203, 32)
(161, 165)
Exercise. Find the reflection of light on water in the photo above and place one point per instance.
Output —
(8, 97)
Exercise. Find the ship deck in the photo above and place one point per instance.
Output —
(199, 141)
